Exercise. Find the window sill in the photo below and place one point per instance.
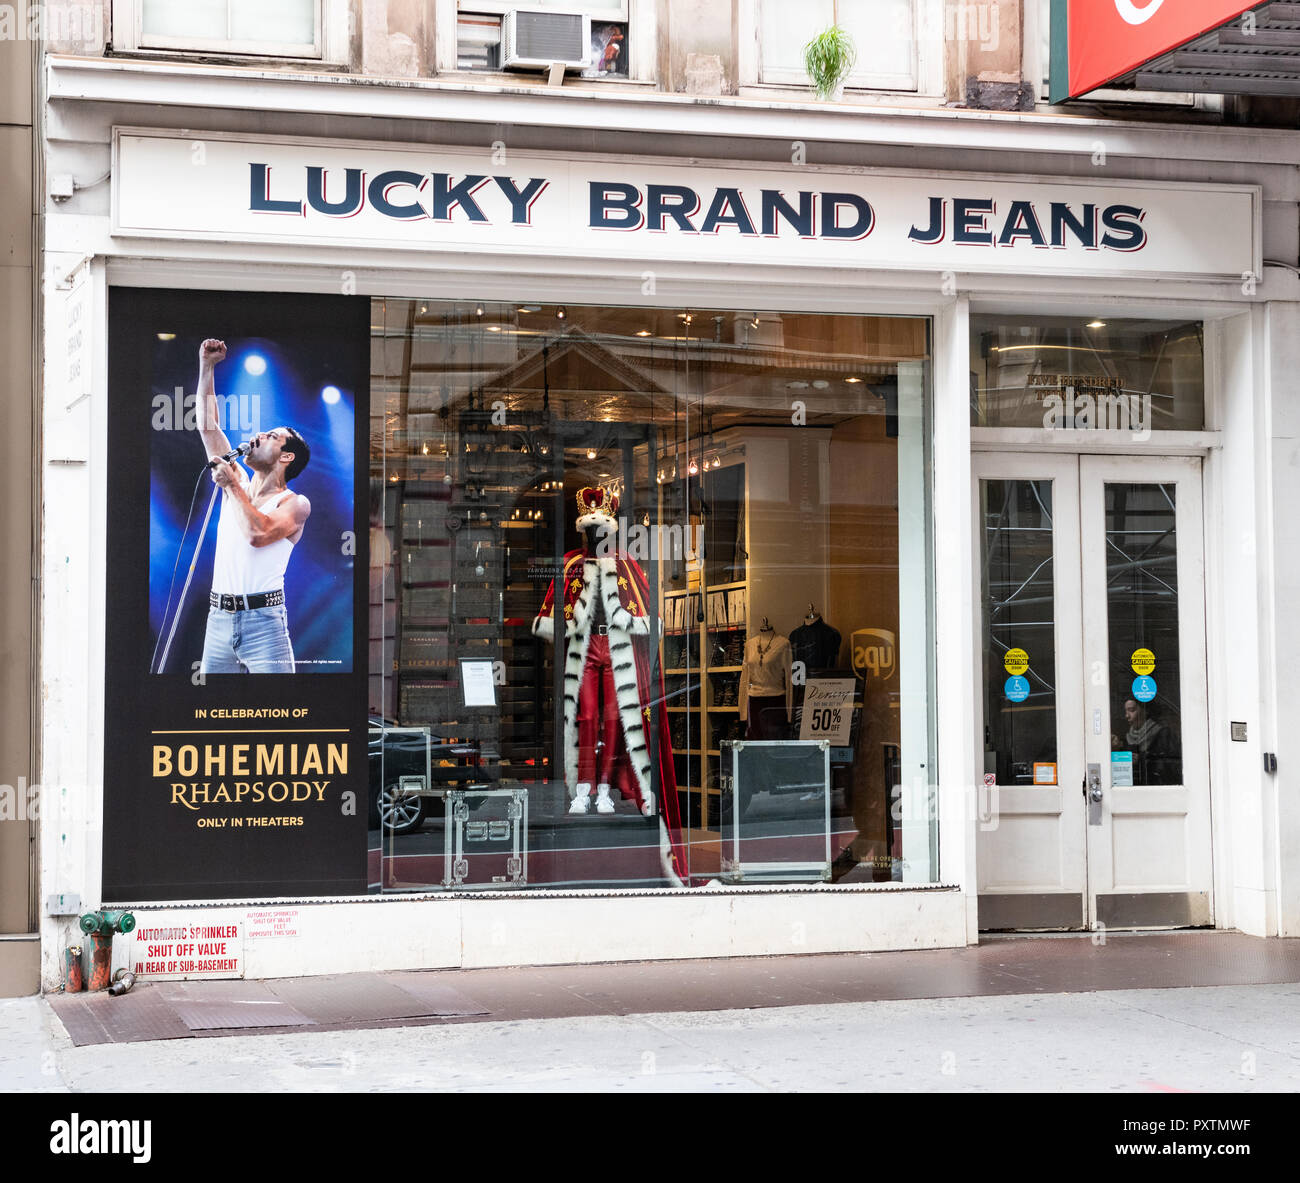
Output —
(209, 57)
(785, 92)
(528, 80)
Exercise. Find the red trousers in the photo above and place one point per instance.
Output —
(598, 715)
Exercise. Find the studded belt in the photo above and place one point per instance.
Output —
(229, 603)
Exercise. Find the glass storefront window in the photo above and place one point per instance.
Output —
(648, 597)
(1101, 375)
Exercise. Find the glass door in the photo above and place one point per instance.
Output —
(1147, 770)
(1095, 807)
(1030, 856)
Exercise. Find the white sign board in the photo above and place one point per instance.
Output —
(418, 198)
(271, 922)
(78, 335)
(828, 710)
(476, 683)
(189, 944)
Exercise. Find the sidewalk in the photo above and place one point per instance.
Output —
(1146, 1014)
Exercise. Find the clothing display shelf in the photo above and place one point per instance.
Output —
(713, 678)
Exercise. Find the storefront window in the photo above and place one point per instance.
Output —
(1071, 373)
(648, 597)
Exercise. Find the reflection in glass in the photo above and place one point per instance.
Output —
(1019, 631)
(1142, 627)
(1113, 376)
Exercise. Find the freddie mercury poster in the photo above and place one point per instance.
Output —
(235, 711)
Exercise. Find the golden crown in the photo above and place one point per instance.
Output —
(593, 499)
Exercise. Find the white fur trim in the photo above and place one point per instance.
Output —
(600, 578)
(544, 627)
(618, 616)
(596, 518)
(666, 855)
(575, 661)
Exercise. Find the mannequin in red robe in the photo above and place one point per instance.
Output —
(608, 683)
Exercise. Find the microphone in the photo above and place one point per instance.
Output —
(234, 453)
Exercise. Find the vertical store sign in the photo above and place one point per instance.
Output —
(235, 710)
(1097, 41)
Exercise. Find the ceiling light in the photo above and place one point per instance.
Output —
(591, 453)
(755, 322)
(166, 336)
(423, 309)
(820, 384)
(494, 328)
(693, 468)
(1097, 324)
(852, 379)
(560, 314)
(478, 309)
(643, 332)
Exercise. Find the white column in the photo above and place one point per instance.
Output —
(1279, 592)
(955, 702)
(915, 647)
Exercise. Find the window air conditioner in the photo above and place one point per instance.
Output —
(536, 39)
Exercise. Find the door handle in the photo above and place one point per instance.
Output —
(1094, 794)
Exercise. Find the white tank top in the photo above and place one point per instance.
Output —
(240, 568)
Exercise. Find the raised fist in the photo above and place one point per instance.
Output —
(211, 352)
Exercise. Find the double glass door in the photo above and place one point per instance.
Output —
(1095, 807)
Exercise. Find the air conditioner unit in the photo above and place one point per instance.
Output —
(537, 39)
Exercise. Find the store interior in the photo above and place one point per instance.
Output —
(755, 458)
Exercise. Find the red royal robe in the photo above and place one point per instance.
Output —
(625, 595)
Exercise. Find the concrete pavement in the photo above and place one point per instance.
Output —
(1233, 1039)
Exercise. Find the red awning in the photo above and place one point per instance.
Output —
(1202, 46)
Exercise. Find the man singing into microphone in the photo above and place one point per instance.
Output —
(260, 521)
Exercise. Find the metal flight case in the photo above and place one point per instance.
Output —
(485, 836)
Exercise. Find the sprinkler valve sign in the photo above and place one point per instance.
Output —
(179, 946)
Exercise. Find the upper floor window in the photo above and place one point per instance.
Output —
(279, 28)
(884, 34)
(480, 39)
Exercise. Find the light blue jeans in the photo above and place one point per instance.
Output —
(252, 641)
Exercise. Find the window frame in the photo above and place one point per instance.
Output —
(926, 82)
(500, 7)
(329, 45)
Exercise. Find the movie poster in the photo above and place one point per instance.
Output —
(235, 737)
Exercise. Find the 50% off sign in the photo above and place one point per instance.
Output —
(828, 710)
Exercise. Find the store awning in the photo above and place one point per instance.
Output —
(1201, 46)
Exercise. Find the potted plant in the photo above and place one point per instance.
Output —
(828, 58)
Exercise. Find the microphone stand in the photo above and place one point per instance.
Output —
(189, 576)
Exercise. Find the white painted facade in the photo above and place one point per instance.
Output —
(1250, 449)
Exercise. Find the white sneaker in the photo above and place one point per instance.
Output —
(603, 803)
(580, 802)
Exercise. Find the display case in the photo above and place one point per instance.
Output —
(776, 811)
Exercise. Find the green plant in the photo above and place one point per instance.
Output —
(828, 58)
